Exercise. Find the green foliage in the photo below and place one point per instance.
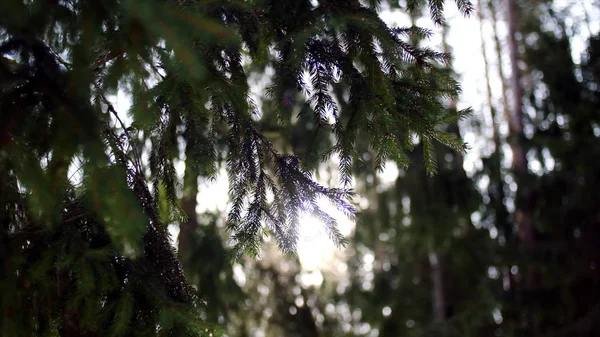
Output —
(465, 221)
(436, 8)
(182, 64)
(566, 126)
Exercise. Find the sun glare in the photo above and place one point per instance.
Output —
(316, 251)
(314, 247)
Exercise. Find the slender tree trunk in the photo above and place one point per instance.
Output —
(523, 212)
(378, 253)
(437, 291)
(498, 45)
(435, 260)
(516, 117)
(495, 131)
(496, 190)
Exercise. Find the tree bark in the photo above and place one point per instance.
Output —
(437, 292)
(523, 216)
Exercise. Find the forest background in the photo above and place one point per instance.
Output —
(500, 239)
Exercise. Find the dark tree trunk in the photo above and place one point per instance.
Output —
(523, 216)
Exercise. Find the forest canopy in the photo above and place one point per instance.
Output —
(329, 130)
(85, 248)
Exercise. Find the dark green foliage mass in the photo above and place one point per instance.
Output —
(83, 238)
(563, 299)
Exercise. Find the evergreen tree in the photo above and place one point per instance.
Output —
(553, 275)
(566, 230)
(85, 246)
